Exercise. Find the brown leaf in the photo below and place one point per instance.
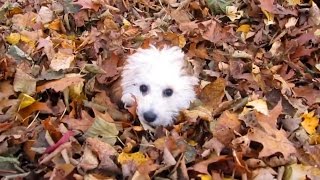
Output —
(82, 124)
(302, 51)
(88, 4)
(110, 67)
(61, 84)
(199, 51)
(272, 118)
(213, 32)
(214, 144)
(6, 90)
(202, 166)
(310, 94)
(47, 46)
(61, 171)
(37, 106)
(23, 21)
(24, 83)
(180, 16)
(5, 126)
(213, 93)
(224, 128)
(104, 152)
(273, 141)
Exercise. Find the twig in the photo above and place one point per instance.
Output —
(55, 152)
(16, 176)
(34, 119)
(280, 172)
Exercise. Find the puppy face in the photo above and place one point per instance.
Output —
(157, 81)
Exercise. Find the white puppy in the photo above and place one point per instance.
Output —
(159, 83)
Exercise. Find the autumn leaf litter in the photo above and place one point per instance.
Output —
(257, 112)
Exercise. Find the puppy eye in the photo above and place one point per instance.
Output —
(143, 88)
(167, 92)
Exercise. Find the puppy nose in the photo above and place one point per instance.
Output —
(149, 116)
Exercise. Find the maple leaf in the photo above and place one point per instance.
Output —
(273, 141)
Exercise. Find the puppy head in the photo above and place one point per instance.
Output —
(159, 84)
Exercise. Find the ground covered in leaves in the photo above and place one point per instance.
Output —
(257, 113)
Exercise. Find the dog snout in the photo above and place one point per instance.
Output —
(149, 116)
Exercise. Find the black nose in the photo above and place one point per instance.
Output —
(149, 116)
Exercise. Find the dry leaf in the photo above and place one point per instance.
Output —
(61, 84)
(138, 158)
(62, 60)
(45, 15)
(259, 105)
(310, 122)
(107, 131)
(24, 83)
(212, 94)
(26, 100)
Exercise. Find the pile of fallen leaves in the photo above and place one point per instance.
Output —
(257, 116)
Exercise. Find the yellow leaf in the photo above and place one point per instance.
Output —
(126, 23)
(182, 41)
(205, 177)
(269, 16)
(137, 157)
(13, 38)
(317, 32)
(26, 100)
(55, 25)
(310, 122)
(260, 105)
(294, 2)
(192, 143)
(318, 66)
(314, 139)
(245, 28)
(300, 171)
(75, 90)
(25, 39)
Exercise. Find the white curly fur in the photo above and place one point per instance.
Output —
(158, 69)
